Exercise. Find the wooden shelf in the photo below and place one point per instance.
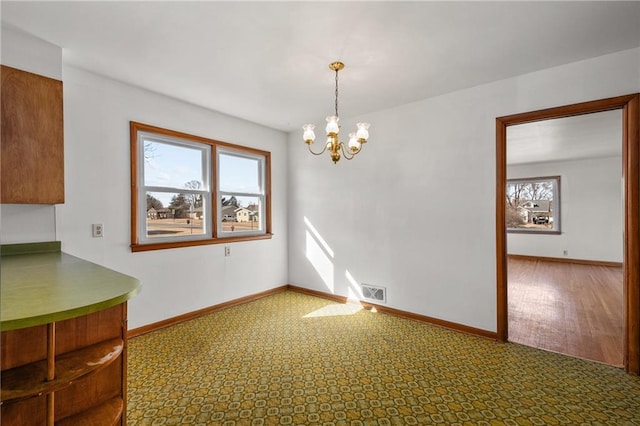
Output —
(106, 414)
(30, 380)
(63, 351)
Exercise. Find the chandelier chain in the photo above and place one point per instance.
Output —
(337, 93)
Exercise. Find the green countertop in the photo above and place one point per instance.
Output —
(47, 287)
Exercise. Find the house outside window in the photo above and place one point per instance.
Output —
(533, 205)
(189, 190)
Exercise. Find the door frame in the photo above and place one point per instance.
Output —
(629, 104)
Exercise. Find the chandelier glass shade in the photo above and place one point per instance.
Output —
(336, 148)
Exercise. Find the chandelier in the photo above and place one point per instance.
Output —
(335, 147)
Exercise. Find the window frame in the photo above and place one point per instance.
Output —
(213, 234)
(556, 205)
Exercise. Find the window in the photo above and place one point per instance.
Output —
(533, 205)
(188, 190)
(241, 192)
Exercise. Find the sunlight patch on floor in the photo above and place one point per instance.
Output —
(335, 310)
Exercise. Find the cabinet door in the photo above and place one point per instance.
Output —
(32, 157)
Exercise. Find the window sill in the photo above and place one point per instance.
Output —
(192, 243)
(524, 231)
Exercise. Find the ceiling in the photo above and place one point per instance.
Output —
(597, 135)
(267, 62)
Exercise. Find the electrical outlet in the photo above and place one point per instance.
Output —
(227, 251)
(98, 230)
(565, 252)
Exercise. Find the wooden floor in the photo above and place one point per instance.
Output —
(568, 308)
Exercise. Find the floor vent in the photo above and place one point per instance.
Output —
(374, 294)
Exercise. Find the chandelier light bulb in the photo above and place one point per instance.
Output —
(332, 125)
(309, 136)
(363, 132)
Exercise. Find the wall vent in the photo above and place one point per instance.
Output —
(374, 293)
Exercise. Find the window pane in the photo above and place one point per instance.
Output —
(241, 213)
(173, 166)
(239, 174)
(174, 214)
(533, 204)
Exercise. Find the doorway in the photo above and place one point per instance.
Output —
(628, 105)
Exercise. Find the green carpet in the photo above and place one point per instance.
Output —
(291, 358)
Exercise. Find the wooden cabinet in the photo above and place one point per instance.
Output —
(32, 155)
(71, 372)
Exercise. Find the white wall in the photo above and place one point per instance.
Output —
(97, 158)
(415, 212)
(26, 52)
(591, 211)
(27, 223)
(20, 223)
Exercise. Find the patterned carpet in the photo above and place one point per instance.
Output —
(291, 358)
